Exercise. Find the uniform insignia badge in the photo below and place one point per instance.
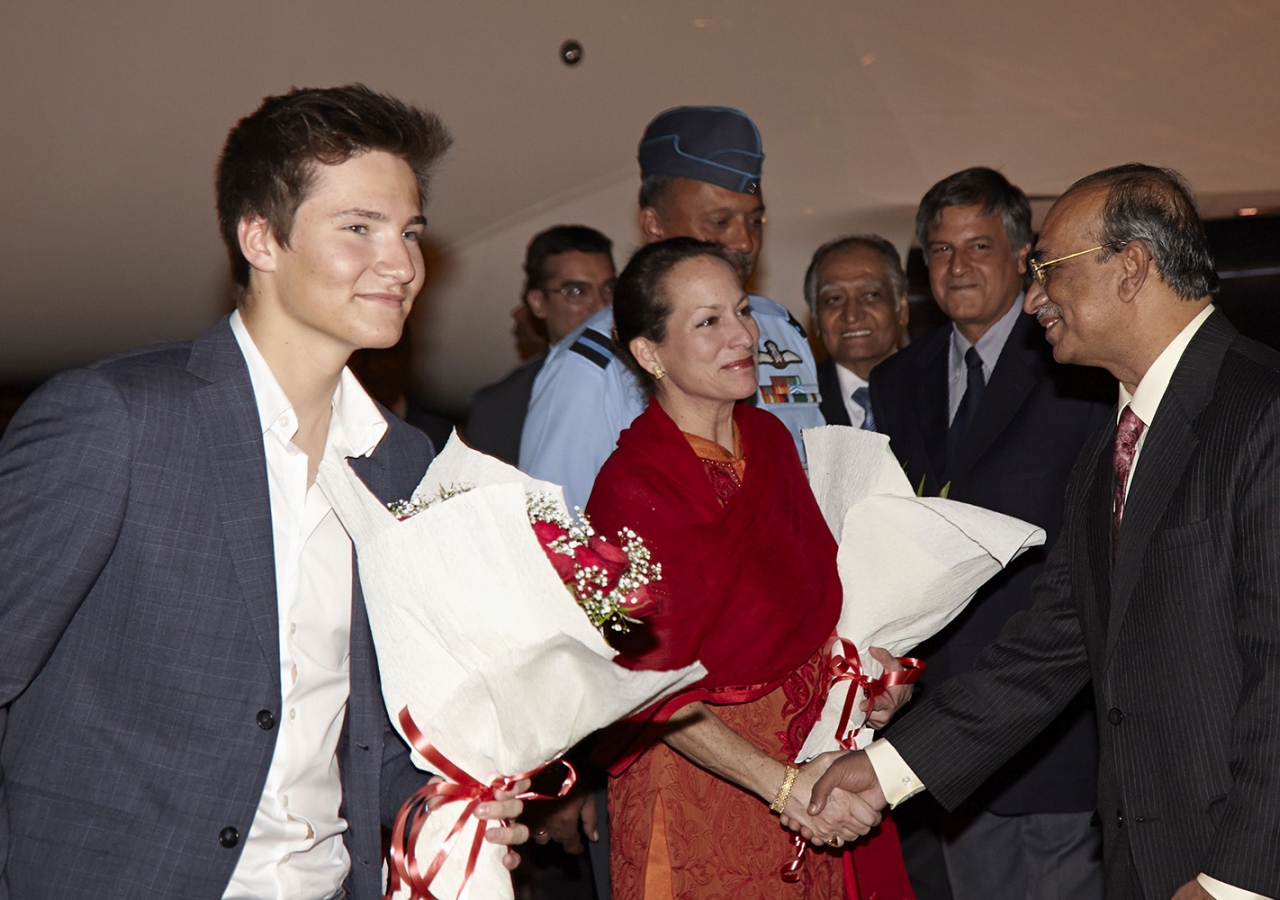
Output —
(786, 389)
(771, 355)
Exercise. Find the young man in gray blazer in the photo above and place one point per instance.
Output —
(191, 705)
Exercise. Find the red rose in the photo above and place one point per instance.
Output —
(600, 554)
(640, 603)
(548, 533)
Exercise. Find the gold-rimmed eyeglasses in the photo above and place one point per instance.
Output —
(1038, 268)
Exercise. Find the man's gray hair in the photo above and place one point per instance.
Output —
(1155, 206)
(982, 187)
(888, 252)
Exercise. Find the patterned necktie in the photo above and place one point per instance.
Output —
(862, 397)
(1127, 434)
(968, 405)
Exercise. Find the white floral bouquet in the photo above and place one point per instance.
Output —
(491, 669)
(908, 566)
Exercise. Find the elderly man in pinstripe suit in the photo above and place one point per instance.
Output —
(1164, 589)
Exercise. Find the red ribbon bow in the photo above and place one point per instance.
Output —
(848, 667)
(404, 866)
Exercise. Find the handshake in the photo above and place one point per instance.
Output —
(843, 802)
(838, 794)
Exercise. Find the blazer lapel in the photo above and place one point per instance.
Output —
(930, 407)
(1098, 520)
(1020, 366)
(232, 436)
(832, 402)
(1163, 459)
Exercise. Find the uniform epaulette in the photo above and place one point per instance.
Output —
(795, 323)
(595, 346)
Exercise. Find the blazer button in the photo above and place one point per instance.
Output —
(228, 837)
(267, 720)
(1114, 716)
(1119, 819)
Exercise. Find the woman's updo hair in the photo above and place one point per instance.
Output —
(641, 302)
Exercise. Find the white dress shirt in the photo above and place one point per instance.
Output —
(849, 382)
(897, 780)
(294, 848)
(1146, 397)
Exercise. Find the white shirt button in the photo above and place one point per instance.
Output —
(293, 713)
(293, 674)
(293, 627)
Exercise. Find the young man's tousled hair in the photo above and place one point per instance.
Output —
(269, 162)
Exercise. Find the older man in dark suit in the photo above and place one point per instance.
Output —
(1164, 589)
(857, 294)
(191, 705)
(979, 407)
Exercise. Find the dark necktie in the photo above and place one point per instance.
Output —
(862, 397)
(968, 405)
(1127, 434)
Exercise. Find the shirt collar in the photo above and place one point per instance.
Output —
(1146, 398)
(356, 427)
(992, 341)
(848, 381)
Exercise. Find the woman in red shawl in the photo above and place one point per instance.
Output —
(749, 587)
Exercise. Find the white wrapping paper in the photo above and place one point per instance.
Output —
(478, 636)
(908, 565)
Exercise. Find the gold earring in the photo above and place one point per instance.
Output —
(658, 373)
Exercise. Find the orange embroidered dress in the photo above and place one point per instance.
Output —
(750, 589)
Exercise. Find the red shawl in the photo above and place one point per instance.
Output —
(750, 588)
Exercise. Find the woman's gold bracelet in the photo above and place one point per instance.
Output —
(788, 781)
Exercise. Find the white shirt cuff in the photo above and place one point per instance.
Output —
(1220, 890)
(897, 781)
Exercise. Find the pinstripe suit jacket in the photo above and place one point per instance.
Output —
(1015, 458)
(139, 635)
(1181, 638)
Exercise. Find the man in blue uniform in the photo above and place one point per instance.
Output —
(700, 170)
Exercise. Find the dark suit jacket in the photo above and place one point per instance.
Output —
(497, 413)
(1181, 638)
(1015, 459)
(139, 637)
(832, 404)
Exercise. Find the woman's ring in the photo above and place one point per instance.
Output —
(834, 842)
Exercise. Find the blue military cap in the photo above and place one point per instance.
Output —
(715, 144)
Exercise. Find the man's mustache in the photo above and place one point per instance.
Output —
(1048, 311)
(741, 262)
